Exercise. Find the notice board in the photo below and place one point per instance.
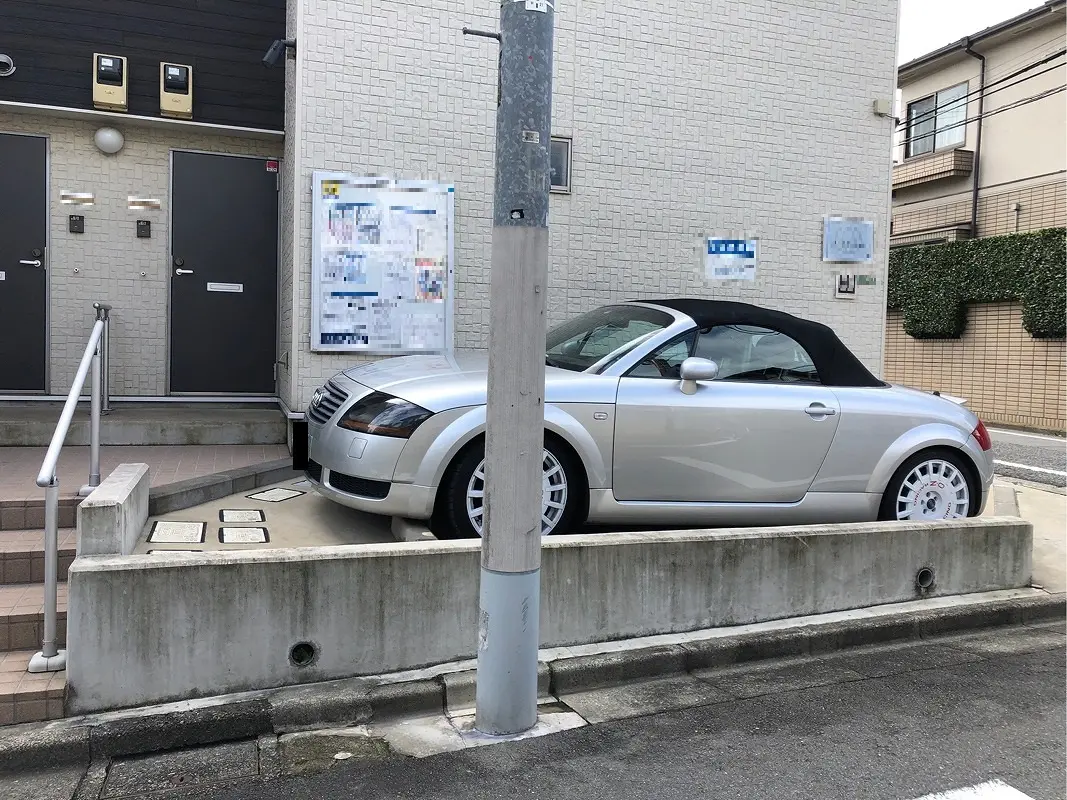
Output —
(381, 265)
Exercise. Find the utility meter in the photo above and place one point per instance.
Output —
(109, 82)
(175, 90)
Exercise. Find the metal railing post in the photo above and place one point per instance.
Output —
(103, 312)
(50, 658)
(94, 427)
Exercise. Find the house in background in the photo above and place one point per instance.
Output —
(982, 152)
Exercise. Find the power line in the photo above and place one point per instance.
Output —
(986, 89)
(959, 101)
(1009, 107)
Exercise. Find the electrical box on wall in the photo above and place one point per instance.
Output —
(109, 82)
(175, 90)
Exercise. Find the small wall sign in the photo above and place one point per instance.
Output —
(847, 240)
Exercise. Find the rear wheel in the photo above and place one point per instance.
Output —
(933, 485)
(461, 513)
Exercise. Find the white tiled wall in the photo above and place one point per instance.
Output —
(688, 119)
(105, 263)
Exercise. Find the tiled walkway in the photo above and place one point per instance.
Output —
(28, 697)
(167, 464)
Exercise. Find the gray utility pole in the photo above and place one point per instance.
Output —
(508, 634)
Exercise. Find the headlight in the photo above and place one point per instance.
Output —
(384, 415)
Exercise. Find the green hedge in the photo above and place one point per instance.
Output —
(933, 284)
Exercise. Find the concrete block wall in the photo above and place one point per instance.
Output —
(214, 623)
(105, 263)
(112, 518)
(688, 119)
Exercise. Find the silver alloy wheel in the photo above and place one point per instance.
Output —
(553, 494)
(934, 489)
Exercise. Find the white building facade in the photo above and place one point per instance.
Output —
(684, 121)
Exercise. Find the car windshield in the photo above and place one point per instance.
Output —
(581, 342)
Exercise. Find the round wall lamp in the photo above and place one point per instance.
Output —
(108, 140)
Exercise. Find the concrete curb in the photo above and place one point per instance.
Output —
(1005, 501)
(351, 701)
(193, 492)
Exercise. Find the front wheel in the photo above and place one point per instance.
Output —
(463, 501)
(934, 485)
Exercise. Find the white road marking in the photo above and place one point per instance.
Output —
(1042, 470)
(1043, 437)
(990, 790)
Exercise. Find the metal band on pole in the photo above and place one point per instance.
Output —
(508, 636)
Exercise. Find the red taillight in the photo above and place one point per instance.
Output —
(982, 435)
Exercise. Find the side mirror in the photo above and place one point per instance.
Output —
(697, 369)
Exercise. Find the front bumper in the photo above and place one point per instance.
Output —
(401, 499)
(356, 470)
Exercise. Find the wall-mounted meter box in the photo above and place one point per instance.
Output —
(175, 90)
(109, 82)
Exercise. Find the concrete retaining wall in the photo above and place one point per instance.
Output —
(147, 629)
(111, 518)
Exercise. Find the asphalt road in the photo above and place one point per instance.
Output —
(1032, 457)
(926, 727)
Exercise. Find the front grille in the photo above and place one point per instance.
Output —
(332, 398)
(364, 487)
(314, 471)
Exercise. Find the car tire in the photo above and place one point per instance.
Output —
(932, 485)
(453, 516)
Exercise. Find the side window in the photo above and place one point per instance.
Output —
(665, 362)
(749, 353)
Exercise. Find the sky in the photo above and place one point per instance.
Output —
(926, 25)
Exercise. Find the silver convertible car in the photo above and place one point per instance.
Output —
(659, 413)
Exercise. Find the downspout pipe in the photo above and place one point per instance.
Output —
(976, 169)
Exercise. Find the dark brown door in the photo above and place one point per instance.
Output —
(23, 263)
(223, 274)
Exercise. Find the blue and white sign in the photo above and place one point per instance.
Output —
(731, 259)
(847, 239)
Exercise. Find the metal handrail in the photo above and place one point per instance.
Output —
(51, 658)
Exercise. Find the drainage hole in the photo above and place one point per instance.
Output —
(924, 578)
(303, 654)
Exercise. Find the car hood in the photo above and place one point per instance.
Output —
(440, 382)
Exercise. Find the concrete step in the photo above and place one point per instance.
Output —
(18, 514)
(26, 424)
(22, 555)
(26, 697)
(22, 616)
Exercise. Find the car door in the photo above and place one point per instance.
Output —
(757, 434)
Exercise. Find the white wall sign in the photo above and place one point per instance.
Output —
(381, 265)
(847, 239)
(731, 259)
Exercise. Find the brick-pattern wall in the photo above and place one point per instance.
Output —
(688, 119)
(1007, 376)
(105, 263)
(1042, 205)
(286, 215)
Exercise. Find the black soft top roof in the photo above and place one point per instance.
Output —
(836, 364)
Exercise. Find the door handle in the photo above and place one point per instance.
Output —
(36, 262)
(183, 272)
(819, 410)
